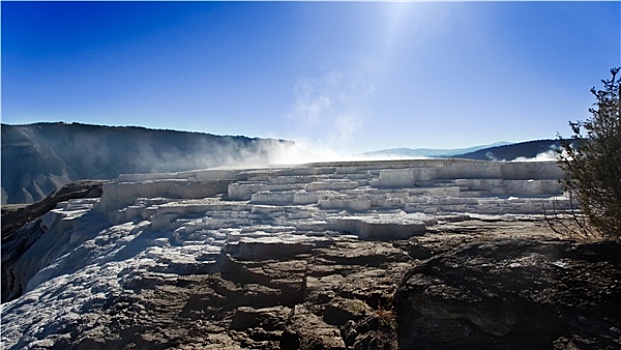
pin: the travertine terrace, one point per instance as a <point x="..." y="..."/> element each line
<point x="380" y="199"/>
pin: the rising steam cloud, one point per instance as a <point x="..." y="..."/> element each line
<point x="327" y="110"/>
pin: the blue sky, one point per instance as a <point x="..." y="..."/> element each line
<point x="351" y="77"/>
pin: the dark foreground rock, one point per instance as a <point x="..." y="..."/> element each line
<point x="466" y="285"/>
<point x="484" y="294"/>
<point x="514" y="294"/>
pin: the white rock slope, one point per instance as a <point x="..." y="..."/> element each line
<point x="154" y="226"/>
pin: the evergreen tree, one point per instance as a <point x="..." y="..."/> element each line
<point x="592" y="161"/>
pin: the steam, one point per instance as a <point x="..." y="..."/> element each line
<point x="550" y="155"/>
<point x="327" y="111"/>
<point x="546" y="156"/>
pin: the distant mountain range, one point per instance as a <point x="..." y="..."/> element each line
<point x="501" y="151"/>
<point x="38" y="159"/>
<point x="426" y="152"/>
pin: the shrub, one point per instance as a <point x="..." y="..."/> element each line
<point x="592" y="162"/>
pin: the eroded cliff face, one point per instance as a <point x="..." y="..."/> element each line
<point x="331" y="255"/>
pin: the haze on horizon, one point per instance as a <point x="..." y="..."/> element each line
<point x="348" y="77"/>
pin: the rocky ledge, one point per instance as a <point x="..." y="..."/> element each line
<point x="471" y="285"/>
<point x="513" y="294"/>
<point x="152" y="266"/>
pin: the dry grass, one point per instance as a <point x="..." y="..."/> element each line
<point x="387" y="319"/>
